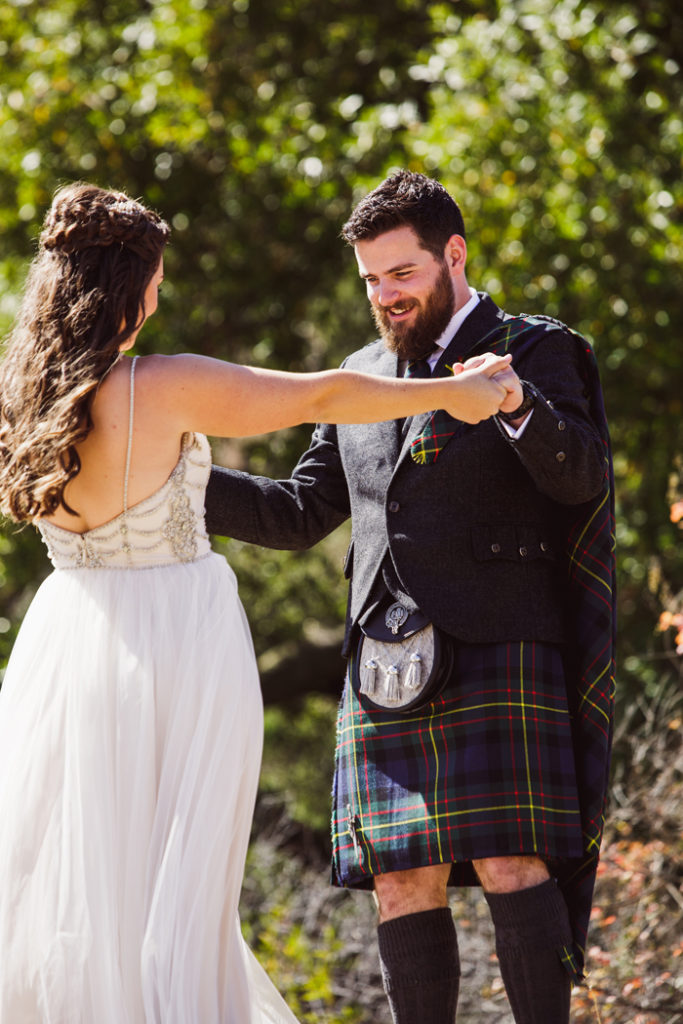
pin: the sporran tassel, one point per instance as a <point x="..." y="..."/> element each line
<point x="413" y="674"/>
<point x="392" y="685"/>
<point x="369" y="677"/>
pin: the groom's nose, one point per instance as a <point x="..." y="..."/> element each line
<point x="387" y="293"/>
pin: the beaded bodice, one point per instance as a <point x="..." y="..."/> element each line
<point x="165" y="528"/>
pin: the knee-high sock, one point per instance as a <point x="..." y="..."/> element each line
<point x="420" y="966"/>
<point x="532" y="930"/>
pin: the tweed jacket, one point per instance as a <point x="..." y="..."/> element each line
<point x="476" y="537"/>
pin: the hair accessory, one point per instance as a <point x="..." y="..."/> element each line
<point x="126" y="206"/>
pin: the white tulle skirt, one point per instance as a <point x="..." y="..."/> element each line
<point x="130" y="745"/>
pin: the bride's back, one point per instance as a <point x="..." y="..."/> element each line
<point x="96" y="493"/>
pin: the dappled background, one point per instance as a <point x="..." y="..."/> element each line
<point x="253" y="126"/>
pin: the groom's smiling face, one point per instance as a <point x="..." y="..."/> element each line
<point x="410" y="291"/>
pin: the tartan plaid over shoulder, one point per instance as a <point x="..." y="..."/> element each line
<point x="591" y="580"/>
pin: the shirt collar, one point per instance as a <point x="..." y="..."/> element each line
<point x="454" y="325"/>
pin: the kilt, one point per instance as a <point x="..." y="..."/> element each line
<point x="485" y="770"/>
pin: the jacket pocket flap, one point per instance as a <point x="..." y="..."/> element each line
<point x="523" y="542"/>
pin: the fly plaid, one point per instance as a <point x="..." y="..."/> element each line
<point x="589" y="555"/>
<point x="440" y="427"/>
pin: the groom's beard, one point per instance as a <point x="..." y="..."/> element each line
<point x="417" y="340"/>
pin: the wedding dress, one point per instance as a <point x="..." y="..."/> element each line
<point x="130" y="745"/>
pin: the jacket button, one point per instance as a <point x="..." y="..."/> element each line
<point x="495" y="548"/>
<point x="560" y="456"/>
<point x="561" y="425"/>
<point x="394" y="506"/>
<point x="523" y="552"/>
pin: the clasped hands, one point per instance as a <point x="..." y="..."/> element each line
<point x="512" y="395"/>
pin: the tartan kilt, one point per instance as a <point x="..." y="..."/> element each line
<point x="486" y="770"/>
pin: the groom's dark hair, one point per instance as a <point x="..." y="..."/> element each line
<point x="407" y="199"/>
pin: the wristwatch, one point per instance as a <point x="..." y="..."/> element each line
<point x="528" y="403"/>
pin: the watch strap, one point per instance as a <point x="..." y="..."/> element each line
<point x="527" y="405"/>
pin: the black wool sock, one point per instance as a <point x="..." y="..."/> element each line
<point x="420" y="966"/>
<point x="532" y="930"/>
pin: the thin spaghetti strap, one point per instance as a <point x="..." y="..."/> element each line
<point x="130" y="432"/>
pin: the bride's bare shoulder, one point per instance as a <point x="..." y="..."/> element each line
<point x="161" y="385"/>
<point x="168" y="370"/>
<point x="152" y="372"/>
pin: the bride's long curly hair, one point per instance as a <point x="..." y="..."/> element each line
<point x="84" y="296"/>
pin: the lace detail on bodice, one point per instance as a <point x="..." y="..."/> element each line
<point x="165" y="528"/>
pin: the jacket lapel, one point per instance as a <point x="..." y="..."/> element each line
<point x="417" y="425"/>
<point x="388" y="432"/>
<point x="379" y="442"/>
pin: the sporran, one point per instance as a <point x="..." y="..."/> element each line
<point x="402" y="661"/>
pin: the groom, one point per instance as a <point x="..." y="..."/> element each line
<point x="500" y="535"/>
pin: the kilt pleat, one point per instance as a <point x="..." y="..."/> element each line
<point x="486" y="770"/>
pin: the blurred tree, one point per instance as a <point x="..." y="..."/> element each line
<point x="235" y="120"/>
<point x="254" y="125"/>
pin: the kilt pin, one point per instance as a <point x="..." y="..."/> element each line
<point x="499" y="543"/>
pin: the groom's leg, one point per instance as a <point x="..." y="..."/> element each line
<point x="533" y="934"/>
<point x="417" y="945"/>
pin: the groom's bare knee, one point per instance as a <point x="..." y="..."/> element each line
<point x="510" y="874"/>
<point x="409" y="892"/>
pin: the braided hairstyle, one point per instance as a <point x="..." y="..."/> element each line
<point x="83" y="298"/>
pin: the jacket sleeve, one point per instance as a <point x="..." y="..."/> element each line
<point x="561" y="447"/>
<point x="289" y="514"/>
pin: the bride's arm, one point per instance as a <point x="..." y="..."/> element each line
<point x="229" y="400"/>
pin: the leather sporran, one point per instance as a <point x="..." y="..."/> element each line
<point x="402" y="661"/>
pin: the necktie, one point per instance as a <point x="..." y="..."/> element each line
<point x="418" y="368"/>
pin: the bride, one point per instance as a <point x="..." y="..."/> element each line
<point x="130" y="714"/>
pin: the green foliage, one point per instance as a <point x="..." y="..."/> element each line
<point x="238" y="125"/>
<point x="293" y="922"/>
<point x="299" y="759"/>
<point x="302" y="965"/>
<point x="231" y="118"/>
<point x="288" y="593"/>
<point x="23" y="565"/>
<point x="254" y="125"/>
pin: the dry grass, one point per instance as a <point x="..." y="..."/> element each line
<point x="319" y="946"/>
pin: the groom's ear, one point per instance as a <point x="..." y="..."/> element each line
<point x="455" y="254"/>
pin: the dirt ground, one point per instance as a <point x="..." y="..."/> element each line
<point x="319" y="943"/>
